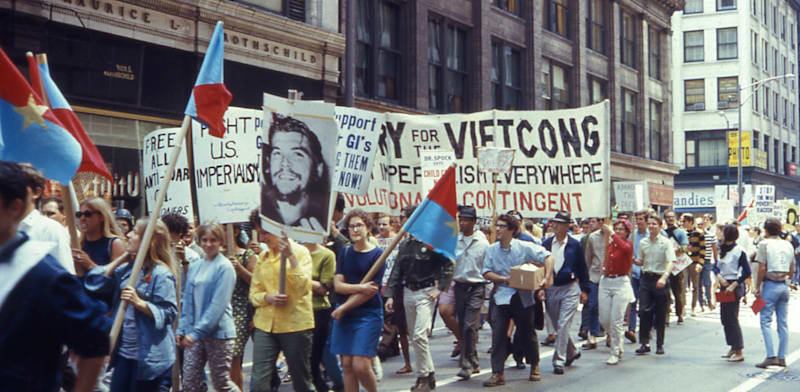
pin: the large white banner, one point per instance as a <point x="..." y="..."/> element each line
<point x="158" y="146"/>
<point x="298" y="161"/>
<point x="562" y="161"/>
<point x="227" y="170"/>
<point x="359" y="131"/>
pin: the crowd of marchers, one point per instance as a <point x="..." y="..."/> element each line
<point x="199" y="298"/>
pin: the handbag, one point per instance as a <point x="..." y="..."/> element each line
<point x="758" y="304"/>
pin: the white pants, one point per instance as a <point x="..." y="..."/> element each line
<point x="614" y="295"/>
<point x="419" y="308"/>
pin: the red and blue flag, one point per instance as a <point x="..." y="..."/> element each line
<point x="91" y="160"/>
<point x="30" y="131"/>
<point x="210" y="98"/>
<point x="434" y="221"/>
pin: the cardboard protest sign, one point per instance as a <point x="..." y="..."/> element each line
<point x="562" y="161"/>
<point x="631" y="195"/>
<point x="158" y="146"/>
<point x="495" y="160"/>
<point x="298" y="164"/>
<point x="226" y="171"/>
<point x="359" y="131"/>
<point x="763" y="206"/>
<point x="434" y="163"/>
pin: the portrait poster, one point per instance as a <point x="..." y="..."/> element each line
<point x="359" y="131"/>
<point x="226" y="170"/>
<point x="156" y="151"/>
<point x="562" y="161"/>
<point x="298" y="161"/>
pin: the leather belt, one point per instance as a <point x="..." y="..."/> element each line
<point x="414" y="286"/>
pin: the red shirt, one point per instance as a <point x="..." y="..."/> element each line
<point x="619" y="256"/>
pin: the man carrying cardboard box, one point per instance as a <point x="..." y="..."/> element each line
<point x="511" y="303"/>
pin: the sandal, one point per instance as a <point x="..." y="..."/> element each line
<point x="405" y="370"/>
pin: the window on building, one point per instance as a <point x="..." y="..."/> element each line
<point x="764" y="13"/>
<point x="596" y="26"/>
<point x="654" y="54"/>
<point x="598" y="90"/>
<point x="447" y="67"/>
<point x="776" y="155"/>
<point x="754" y="44"/>
<point x="378" y="50"/>
<point x="693" y="7"/>
<point x="775" y="61"/>
<point x="794" y="154"/>
<point x="691" y="153"/>
<point x="506" y="77"/>
<point x="657" y="139"/>
<point x="766" y="147"/>
<point x="785" y="112"/>
<point x="775" y="19"/>
<point x="755" y="101"/>
<point x="791" y="34"/>
<point x="766" y="56"/>
<point x="293" y="9"/>
<point x="726" y="92"/>
<point x="512" y="6"/>
<point x="727" y="47"/>
<point x="694" y="95"/>
<point x="785" y="155"/>
<point x="724" y="5"/>
<point x="556" y="81"/>
<point x="754" y="8"/>
<point x="756" y="139"/>
<point x="556" y="16"/>
<point x="628" y="40"/>
<point x="775" y="107"/>
<point x="783" y="27"/>
<point x="693" y="46"/>
<point x="712" y="152"/>
<point x="630" y="140"/>
<point x="766" y="103"/>
<point x="794" y="116"/>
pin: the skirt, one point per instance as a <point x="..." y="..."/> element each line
<point x="358" y="333"/>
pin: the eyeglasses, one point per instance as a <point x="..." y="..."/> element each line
<point x="356" y="226"/>
<point x="503" y="225"/>
<point x="87" y="214"/>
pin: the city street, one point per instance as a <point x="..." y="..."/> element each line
<point x="692" y="362"/>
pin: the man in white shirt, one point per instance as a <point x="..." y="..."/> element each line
<point x="41" y="228"/>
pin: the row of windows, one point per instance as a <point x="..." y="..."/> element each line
<point x="713" y="151"/>
<point x="782" y="108"/>
<point x="778" y="65"/>
<point x="696" y="6"/>
<point x="778" y="26"/>
<point x="694" y="45"/>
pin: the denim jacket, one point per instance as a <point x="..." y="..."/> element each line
<point x="207" y="310"/>
<point x="155" y="347"/>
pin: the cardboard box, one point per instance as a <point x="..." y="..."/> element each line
<point x="526" y="276"/>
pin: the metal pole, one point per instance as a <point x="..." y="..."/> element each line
<point x="739" y="169"/>
<point x="350" y="54"/>
<point x="728" y="161"/>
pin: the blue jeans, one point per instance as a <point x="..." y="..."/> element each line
<point x="124" y="378"/>
<point x="776" y="296"/>
<point x="594" y="313"/>
<point x="705" y="285"/>
<point x="632" y="316"/>
<point x="796" y="277"/>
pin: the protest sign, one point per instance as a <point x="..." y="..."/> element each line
<point x="562" y="162"/>
<point x="359" y="131"/>
<point x="764" y="204"/>
<point x="631" y="195"/>
<point x="158" y="146"/>
<point x="724" y="211"/>
<point x="298" y="165"/>
<point x="495" y="160"/>
<point x="434" y="163"/>
<point x="226" y="171"/>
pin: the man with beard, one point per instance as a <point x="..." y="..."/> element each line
<point x="295" y="182"/>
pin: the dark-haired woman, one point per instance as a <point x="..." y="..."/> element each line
<point x="615" y="290"/>
<point x="732" y="259"/>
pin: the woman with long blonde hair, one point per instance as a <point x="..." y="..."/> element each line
<point x="101" y="240"/>
<point x="145" y="351"/>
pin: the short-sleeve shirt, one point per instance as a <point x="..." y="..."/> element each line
<point x="655" y="254"/>
<point x="778" y="254"/>
<point x="353" y="265"/>
<point x="500" y="261"/>
<point x="323" y="265"/>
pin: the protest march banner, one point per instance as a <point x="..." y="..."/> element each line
<point x="298" y="165"/>
<point x="226" y="171"/>
<point x="359" y="131"/>
<point x="434" y="163"/>
<point x="763" y="206"/>
<point x="631" y="195"/>
<point x="562" y="161"/>
<point x="158" y="146"/>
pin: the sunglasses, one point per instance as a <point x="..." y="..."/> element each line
<point x="87" y="214"/>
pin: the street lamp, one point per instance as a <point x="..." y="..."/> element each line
<point x="728" y="163"/>
<point x="739" y="88"/>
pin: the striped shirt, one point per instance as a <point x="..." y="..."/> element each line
<point x="711" y="240"/>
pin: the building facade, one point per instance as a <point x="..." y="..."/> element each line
<point x="435" y="56"/>
<point x="720" y="46"/>
<point x="127" y="67"/>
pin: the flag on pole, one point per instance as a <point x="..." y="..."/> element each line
<point x="210" y="98"/>
<point x="91" y="160"/>
<point x="434" y="221"/>
<point x="30" y="131"/>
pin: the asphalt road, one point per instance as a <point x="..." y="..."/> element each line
<point x="692" y="362"/>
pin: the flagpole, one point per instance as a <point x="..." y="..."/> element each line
<point x="494" y="207"/>
<point x="151" y="224"/>
<point x="67" y="191"/>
